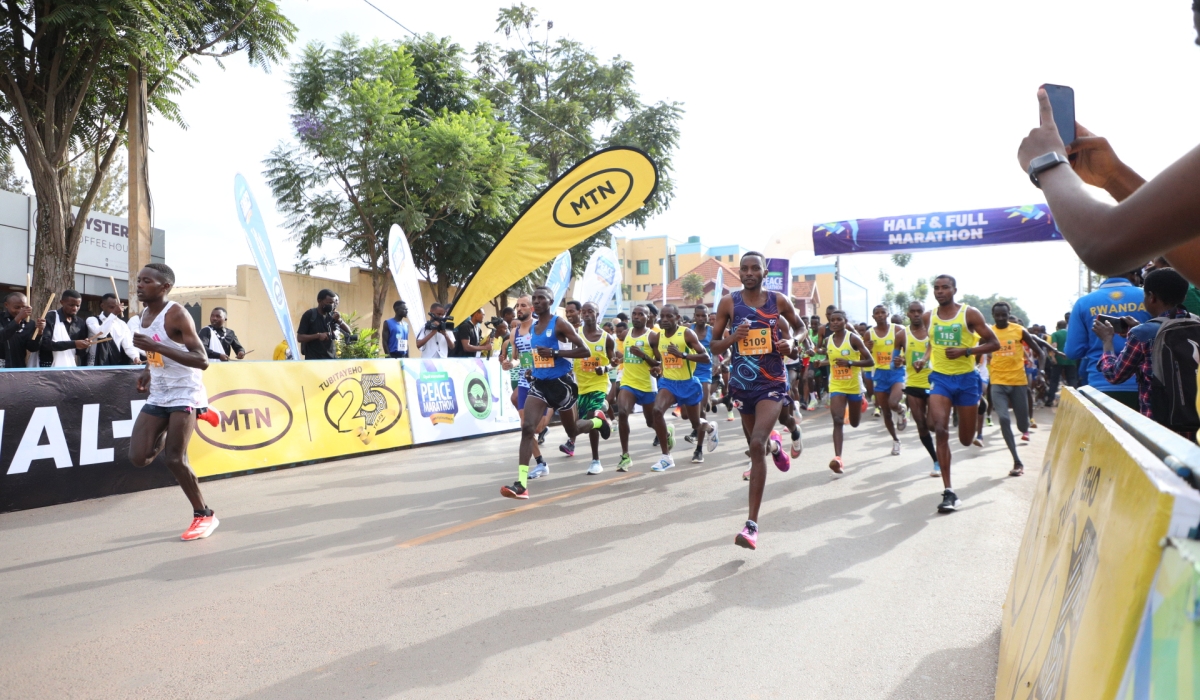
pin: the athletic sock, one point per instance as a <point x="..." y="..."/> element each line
<point x="540" y="461"/>
<point x="927" y="441"/>
<point x="773" y="446"/>
<point x="596" y="423"/>
<point x="203" y="513"/>
<point x="523" y="475"/>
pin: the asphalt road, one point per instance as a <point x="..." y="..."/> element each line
<point x="406" y="575"/>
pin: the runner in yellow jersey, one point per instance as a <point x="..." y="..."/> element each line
<point x="848" y="355"/>
<point x="954" y="330"/>
<point x="1010" y="383"/>
<point x="591" y="376"/>
<point x="886" y="344"/>
<point x="678" y="351"/>
<point x="621" y="329"/>
<point x="637" y="386"/>
<point x="917" y="380"/>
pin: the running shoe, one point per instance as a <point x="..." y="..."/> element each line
<point x="782" y="461"/>
<point x="1017" y="470"/>
<point x="937" y="470"/>
<point x="567" y="448"/>
<point x="978" y="441"/>
<point x="812" y="405"/>
<point x="895" y="448"/>
<point x="539" y="470"/>
<point x="876" y="413"/>
<point x="655" y="443"/>
<point x="691" y="437"/>
<point x="1025" y="437"/>
<point x="515" y="491"/>
<point x="542" y="435"/>
<point x="797" y="443"/>
<point x="202" y="526"/>
<point x="949" y="502"/>
<point x="901" y="420"/>
<point x="711" y="440"/>
<point x="670" y="437"/>
<point x="1032" y="423"/>
<point x="595" y="468"/>
<point x="729" y="416"/>
<point x="663" y="464"/>
<point x="625" y="463"/>
<point x="748" y="537"/>
<point x="989" y="421"/>
<point x="698" y="455"/>
<point x="746" y="475"/>
<point x="605" y="426"/>
<point x="836" y="466"/>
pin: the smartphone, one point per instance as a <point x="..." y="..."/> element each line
<point x="1062" y="99"/>
<point x="1117" y="322"/>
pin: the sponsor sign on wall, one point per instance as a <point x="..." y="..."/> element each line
<point x="277" y="413"/>
<point x="458" y="397"/>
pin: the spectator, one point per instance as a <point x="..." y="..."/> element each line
<point x="499" y="335"/>
<point x="220" y="340"/>
<point x="282" y="351"/>
<point x="319" y="328"/>
<point x="466" y="338"/>
<point x="1116" y="296"/>
<point x="436" y="340"/>
<point x="16" y="331"/>
<point x="508" y="315"/>
<point x="1061" y="368"/>
<point x="396" y="332"/>
<point x="65" y="341"/>
<point x="118" y="351"/>
<point x="1165" y="291"/>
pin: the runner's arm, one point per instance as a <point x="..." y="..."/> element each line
<point x="988" y="342"/>
<point x="1034" y="343"/>
<point x="567" y="332"/>
<point x="924" y="361"/>
<point x="901" y="345"/>
<point x="857" y="343"/>
<point x="700" y="356"/>
<point x="722" y="341"/>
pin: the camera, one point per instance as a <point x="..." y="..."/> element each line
<point x="439" y="323"/>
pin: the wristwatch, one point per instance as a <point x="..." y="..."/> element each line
<point x="1043" y="163"/>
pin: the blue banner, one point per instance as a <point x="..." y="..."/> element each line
<point x="559" y="278"/>
<point x="1031" y="223"/>
<point x="260" y="246"/>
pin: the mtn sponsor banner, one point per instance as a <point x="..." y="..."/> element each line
<point x="273" y="414"/>
<point x="601" y="276"/>
<point x="458" y="397"/>
<point x="1088" y="558"/>
<point x="260" y="247"/>
<point x="1031" y="223"/>
<point x="594" y="194"/>
<point x="64" y="436"/>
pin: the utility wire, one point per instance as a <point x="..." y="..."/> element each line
<point x="519" y="104"/>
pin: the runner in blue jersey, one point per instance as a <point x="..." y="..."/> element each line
<point x="520" y="360"/>
<point x="704" y="372"/>
<point x="552" y="386"/>
<point x="757" y="380"/>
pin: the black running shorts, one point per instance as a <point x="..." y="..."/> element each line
<point x="558" y="393"/>
<point x="917" y="392"/>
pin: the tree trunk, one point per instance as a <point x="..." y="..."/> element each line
<point x="54" y="252"/>
<point x="442" y="289"/>
<point x="379" y="290"/>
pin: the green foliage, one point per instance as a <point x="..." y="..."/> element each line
<point x="389" y="133"/>
<point x="693" y="287"/>
<point x="113" y="195"/>
<point x="897" y="300"/>
<point x="10" y="181"/>
<point x="901" y="259"/>
<point x="361" y="344"/>
<point x="984" y="304"/>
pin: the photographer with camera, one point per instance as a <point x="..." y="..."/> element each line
<point x="467" y="343"/>
<point x="435" y="339"/>
<point x="319" y="328"/>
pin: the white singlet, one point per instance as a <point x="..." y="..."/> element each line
<point x="171" y="384"/>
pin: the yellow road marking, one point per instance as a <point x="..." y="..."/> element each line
<point x="455" y="529"/>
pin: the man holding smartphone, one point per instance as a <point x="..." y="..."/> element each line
<point x="1116" y="296"/>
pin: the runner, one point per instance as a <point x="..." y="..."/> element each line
<point x="983" y="366"/>
<point x="175" y="357"/>
<point x="637" y="389"/>
<point x="954" y="330"/>
<point x="916" y="375"/>
<point x="1010" y="383"/>
<point x="679" y="385"/>
<point x="758" y="384"/>
<point x="848" y="356"/>
<point x="569" y="417"/>
<point x="614" y="376"/>
<point x="517" y="347"/>
<point x="703" y="370"/>
<point x="552" y="387"/>
<point x="591" y="377"/>
<point x="886" y="343"/>
<point x="818" y="364"/>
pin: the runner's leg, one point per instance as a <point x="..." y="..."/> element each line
<point x="625" y="405"/>
<point x="837" y="409"/>
<point x="762" y="422"/>
<point x="939" y="416"/>
<point x="1003" y="397"/>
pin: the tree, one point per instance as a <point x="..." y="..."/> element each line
<point x="566" y="103"/>
<point x="984" y="304"/>
<point x="10" y="181"/>
<point x="693" y="287"/>
<point x="383" y="139"/>
<point x="113" y="195"/>
<point x="64" y="76"/>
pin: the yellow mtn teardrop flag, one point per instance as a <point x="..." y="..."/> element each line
<point x="598" y="192"/>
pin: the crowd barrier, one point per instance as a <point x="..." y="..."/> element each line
<point x="1103" y="599"/>
<point x="64" y="433"/>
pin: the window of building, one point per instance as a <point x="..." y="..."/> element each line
<point x="730" y="258"/>
<point x="660" y="262"/>
<point x="643" y="267"/>
<point x="810" y="278"/>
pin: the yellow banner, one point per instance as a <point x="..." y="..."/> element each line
<point x="1086" y="563"/>
<point x="277" y="413"/>
<point x="601" y="190"/>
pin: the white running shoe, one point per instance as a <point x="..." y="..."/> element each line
<point x="895" y="448"/>
<point x="663" y="464"/>
<point x="901" y="420"/>
<point x="711" y="440"/>
<point x="937" y="470"/>
<point x="595" y="468"/>
<point x="539" y="471"/>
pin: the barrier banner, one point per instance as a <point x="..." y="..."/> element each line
<point x="278" y="413"/>
<point x="1087" y="559"/>
<point x="458" y="397"/>
<point x="1031" y="223"/>
<point x="64" y="436"/>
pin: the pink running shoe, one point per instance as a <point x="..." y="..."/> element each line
<point x="748" y="537"/>
<point x="782" y="461"/>
<point x="202" y="526"/>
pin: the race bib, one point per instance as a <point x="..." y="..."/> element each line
<point x="883" y="357"/>
<point x="840" y="372"/>
<point x="1007" y="349"/>
<point x="154" y="359"/>
<point x="672" y="362"/>
<point x="540" y="362"/>
<point x="631" y="358"/>
<point x="589" y="364"/>
<point x="758" y="342"/>
<point x="917" y="356"/>
<point x="402" y="345"/>
<point x="526" y="360"/>
<point x="948" y="335"/>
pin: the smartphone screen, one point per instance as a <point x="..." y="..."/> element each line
<point x="1062" y="99"/>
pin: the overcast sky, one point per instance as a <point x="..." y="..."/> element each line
<point x="795" y="113"/>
